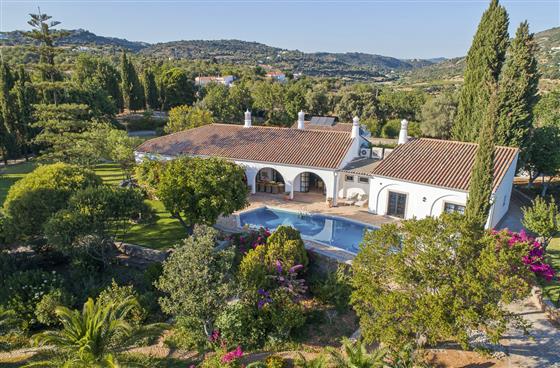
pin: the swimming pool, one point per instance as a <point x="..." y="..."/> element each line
<point x="333" y="231"/>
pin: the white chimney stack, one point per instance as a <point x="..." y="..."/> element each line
<point x="403" y="134"/>
<point x="247" y="119"/>
<point x="301" y="120"/>
<point x="355" y="128"/>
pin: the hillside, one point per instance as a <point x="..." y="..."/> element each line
<point x="76" y="37"/>
<point x="548" y="57"/>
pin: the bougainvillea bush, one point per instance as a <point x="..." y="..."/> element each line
<point x="534" y="259"/>
<point x="435" y="278"/>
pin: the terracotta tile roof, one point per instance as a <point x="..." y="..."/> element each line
<point x="338" y="127"/>
<point x="361" y="166"/>
<point x="310" y="148"/>
<point x="440" y="163"/>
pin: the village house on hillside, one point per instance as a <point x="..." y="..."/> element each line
<point x="419" y="178"/>
<point x="226" y="80"/>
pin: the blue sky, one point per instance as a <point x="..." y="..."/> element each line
<point x="399" y="28"/>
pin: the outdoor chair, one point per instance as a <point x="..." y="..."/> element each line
<point x="362" y="200"/>
<point x="348" y="201"/>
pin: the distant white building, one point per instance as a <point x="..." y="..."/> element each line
<point x="419" y="178"/>
<point x="226" y="80"/>
<point x="276" y="76"/>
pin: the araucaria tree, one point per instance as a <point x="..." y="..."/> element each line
<point x="518" y="88"/>
<point x="484" y="63"/>
<point x="482" y="173"/>
<point x="196" y="190"/>
<point x="133" y="92"/>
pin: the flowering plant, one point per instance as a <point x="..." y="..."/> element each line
<point x="232" y="356"/>
<point x="250" y="239"/>
<point x="534" y="259"/>
<point x="288" y="280"/>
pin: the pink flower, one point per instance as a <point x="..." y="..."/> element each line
<point x="232" y="355"/>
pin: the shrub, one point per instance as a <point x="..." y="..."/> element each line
<point x="334" y="289"/>
<point x="24" y="290"/>
<point x="275" y="361"/>
<point x="284" y="245"/>
<point x="391" y="129"/>
<point x="45" y="309"/>
<point x="241" y="323"/>
<point x="137" y="314"/>
<point x="34" y="199"/>
<point x="285" y="315"/>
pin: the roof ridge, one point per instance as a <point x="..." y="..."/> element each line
<point x="278" y="128"/>
<point x="458" y="142"/>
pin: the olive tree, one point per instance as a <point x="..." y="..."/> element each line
<point x="542" y="218"/>
<point x="197" y="190"/>
<point x="196" y="280"/>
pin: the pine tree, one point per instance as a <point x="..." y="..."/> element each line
<point x="518" y="90"/>
<point x="150" y="89"/>
<point x="482" y="173"/>
<point x="133" y="93"/>
<point x="483" y="65"/>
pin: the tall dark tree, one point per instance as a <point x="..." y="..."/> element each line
<point x="8" y="146"/>
<point x="133" y="93"/>
<point x="518" y="90"/>
<point x="43" y="33"/>
<point x="482" y="173"/>
<point x="150" y="89"/>
<point x="483" y="65"/>
<point x="22" y="98"/>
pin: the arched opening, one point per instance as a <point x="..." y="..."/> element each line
<point x="311" y="183"/>
<point x="269" y="180"/>
<point x="309" y="187"/>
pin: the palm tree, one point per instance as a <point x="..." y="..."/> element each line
<point x="356" y="356"/>
<point x="87" y="337"/>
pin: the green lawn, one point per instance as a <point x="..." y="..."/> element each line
<point x="10" y="174"/>
<point x="162" y="234"/>
<point x="552" y="288"/>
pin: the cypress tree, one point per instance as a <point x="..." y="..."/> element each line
<point x="482" y="172"/>
<point x="483" y="65"/>
<point x="8" y="145"/>
<point x="133" y="93"/>
<point x="150" y="89"/>
<point x="23" y="101"/>
<point x="518" y="90"/>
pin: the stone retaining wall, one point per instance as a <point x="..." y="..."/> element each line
<point x="551" y="311"/>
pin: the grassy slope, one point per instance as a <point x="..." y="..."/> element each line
<point x="552" y="288"/>
<point x="162" y="234"/>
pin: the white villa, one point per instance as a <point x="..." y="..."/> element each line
<point x="419" y="178"/>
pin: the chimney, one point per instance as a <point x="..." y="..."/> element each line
<point x="301" y="120"/>
<point x="247" y="119"/>
<point x="355" y="128"/>
<point x="403" y="134"/>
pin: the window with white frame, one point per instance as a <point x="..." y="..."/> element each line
<point x="349" y="178"/>
<point x="363" y="180"/>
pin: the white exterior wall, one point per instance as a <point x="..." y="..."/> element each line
<point x="349" y="188"/>
<point x="502" y="196"/>
<point x="421" y="201"/>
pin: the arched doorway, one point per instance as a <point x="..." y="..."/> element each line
<point x="311" y="183"/>
<point x="269" y="180"/>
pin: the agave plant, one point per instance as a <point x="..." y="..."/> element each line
<point x="87" y="336"/>
<point x="318" y="362"/>
<point x="354" y="354"/>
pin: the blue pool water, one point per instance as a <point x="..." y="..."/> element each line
<point x="333" y="231"/>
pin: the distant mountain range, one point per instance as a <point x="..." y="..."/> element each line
<point x="352" y="65"/>
<point x="548" y="57"/>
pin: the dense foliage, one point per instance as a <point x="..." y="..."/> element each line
<point x="431" y="279"/>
